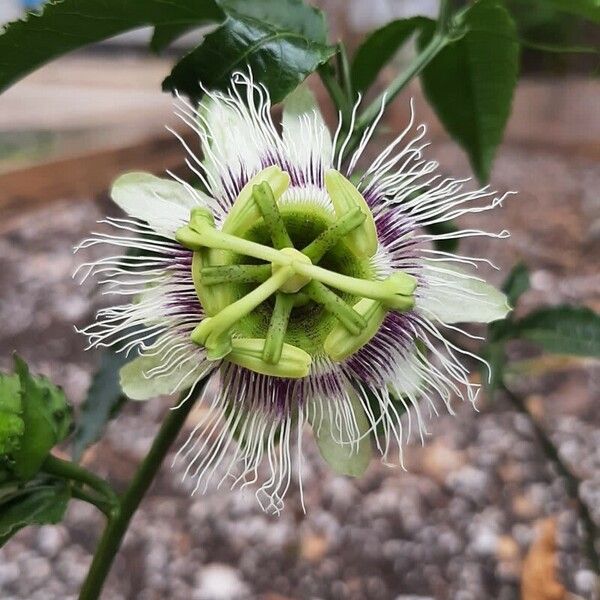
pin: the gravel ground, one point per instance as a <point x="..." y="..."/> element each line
<point x="458" y="524"/>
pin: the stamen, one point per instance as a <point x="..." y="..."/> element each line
<point x="344" y="197"/>
<point x="395" y="291"/>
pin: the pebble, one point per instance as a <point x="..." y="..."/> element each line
<point x="219" y="582"/>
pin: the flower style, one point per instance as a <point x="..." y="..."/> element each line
<point x="308" y="293"/>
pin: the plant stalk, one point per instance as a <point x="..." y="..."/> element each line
<point x="70" y="470"/>
<point x="120" y="518"/>
<point x="438" y="41"/>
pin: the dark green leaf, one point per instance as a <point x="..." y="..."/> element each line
<point x="470" y="83"/>
<point x="46" y="417"/>
<point x="288" y="15"/>
<point x="561" y="330"/>
<point x="70" y="24"/>
<point x="282" y="59"/>
<point x="379" y="48"/>
<point x="516" y="284"/>
<point x="38" y="505"/>
<point x="588" y="9"/>
<point x="103" y="401"/>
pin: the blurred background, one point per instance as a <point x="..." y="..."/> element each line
<point x="478" y="514"/>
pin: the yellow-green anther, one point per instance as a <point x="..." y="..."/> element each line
<point x="345" y="197"/>
<point x="298" y="280"/>
<point x="244" y="211"/>
<point x="395" y="291"/>
<point x="333" y="234"/>
<point x="235" y="274"/>
<point x="341" y="344"/>
<point x="345" y="314"/>
<point x="228" y="316"/>
<point x="265" y="200"/>
<point x="294" y="362"/>
<point x="277" y="327"/>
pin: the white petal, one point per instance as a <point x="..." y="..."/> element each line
<point x="138" y="383"/>
<point x="304" y="130"/>
<point x="234" y="140"/>
<point x="452" y="295"/>
<point x="164" y="204"/>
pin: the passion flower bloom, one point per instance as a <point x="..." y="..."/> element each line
<point x="309" y="293"/>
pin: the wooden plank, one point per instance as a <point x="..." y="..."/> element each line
<point x="86" y="175"/>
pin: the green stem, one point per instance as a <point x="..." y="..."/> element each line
<point x="70" y="470"/>
<point x="438" y="41"/>
<point x="119" y="521"/>
<point x="344" y="71"/>
<point x="336" y="93"/>
<point x="100" y="504"/>
<point x="592" y="532"/>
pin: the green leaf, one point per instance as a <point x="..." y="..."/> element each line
<point x="516" y="284"/>
<point x="37" y="505"/>
<point x="588" y="9"/>
<point x="470" y="83"/>
<point x="103" y="401"/>
<point x="290" y="15"/>
<point x="281" y="58"/>
<point x="495" y="356"/>
<point x="11" y="421"/>
<point x="379" y="47"/>
<point x="46" y="417"/>
<point x="344" y="458"/>
<point x="561" y="330"/>
<point x="70" y="24"/>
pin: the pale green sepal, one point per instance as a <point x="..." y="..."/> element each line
<point x="345" y="197"/>
<point x="341" y="344"/>
<point x="455" y="296"/>
<point x="11" y="418"/>
<point x="294" y="362"/>
<point x="244" y="212"/>
<point x="299" y="106"/>
<point x="136" y="385"/>
<point x="163" y="203"/>
<point x="344" y="458"/>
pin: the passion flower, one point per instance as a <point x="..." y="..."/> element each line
<point x="308" y="293"/>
